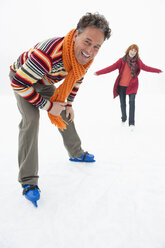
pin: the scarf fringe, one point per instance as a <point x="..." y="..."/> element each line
<point x="58" y="121"/>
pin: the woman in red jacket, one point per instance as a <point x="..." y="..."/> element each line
<point x="127" y="81"/>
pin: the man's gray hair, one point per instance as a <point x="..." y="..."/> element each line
<point x="94" y="20"/>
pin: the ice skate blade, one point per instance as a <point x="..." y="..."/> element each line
<point x="35" y="204"/>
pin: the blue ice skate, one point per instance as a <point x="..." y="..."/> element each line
<point x="85" y="157"/>
<point x="32" y="193"/>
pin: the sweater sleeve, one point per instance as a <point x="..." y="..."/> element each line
<point x="109" y="68"/>
<point x="73" y="93"/>
<point x="148" y="68"/>
<point x="35" y="67"/>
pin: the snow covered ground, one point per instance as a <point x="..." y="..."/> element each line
<point x="117" y="202"/>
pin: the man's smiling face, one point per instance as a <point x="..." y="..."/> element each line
<point x="87" y="44"/>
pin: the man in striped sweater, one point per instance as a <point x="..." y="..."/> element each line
<point x="33" y="76"/>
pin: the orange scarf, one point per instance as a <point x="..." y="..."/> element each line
<point x="75" y="72"/>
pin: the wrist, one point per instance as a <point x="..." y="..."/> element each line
<point x="69" y="105"/>
<point x="51" y="105"/>
<point x="48" y="106"/>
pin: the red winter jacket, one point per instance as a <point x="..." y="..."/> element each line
<point x="133" y="85"/>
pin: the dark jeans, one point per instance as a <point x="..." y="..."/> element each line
<point x="122" y="95"/>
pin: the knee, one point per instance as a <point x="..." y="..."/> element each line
<point x="63" y="115"/>
<point x="30" y="119"/>
<point x="132" y="99"/>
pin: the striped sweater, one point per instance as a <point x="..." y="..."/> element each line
<point x="42" y="64"/>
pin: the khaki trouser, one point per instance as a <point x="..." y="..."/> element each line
<point x="28" y="136"/>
